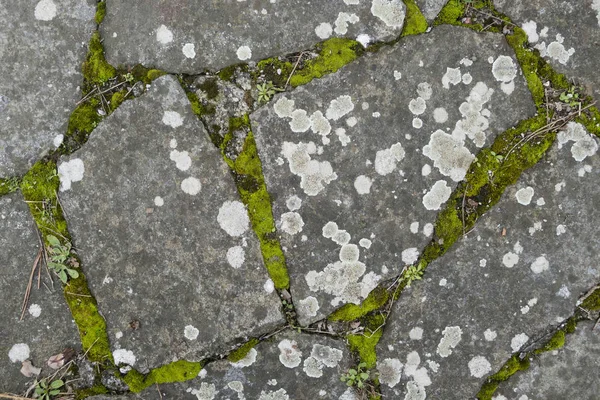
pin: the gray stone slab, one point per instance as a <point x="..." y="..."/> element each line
<point x="566" y="33"/>
<point x="47" y="327"/>
<point x="491" y="293"/>
<point x="42" y="46"/>
<point x="187" y="36"/>
<point x="568" y="373"/>
<point x="290" y="366"/>
<point x="163" y="237"/>
<point x="431" y="8"/>
<point x="359" y="162"/>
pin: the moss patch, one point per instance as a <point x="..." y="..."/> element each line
<point x="364" y="345"/>
<point x="414" y="22"/>
<point x="512" y="366"/>
<point x="592" y="302"/>
<point x="349" y="312"/>
<point x="178" y="371"/>
<point x="9" y="185"/>
<point x="100" y="12"/>
<point x="92" y="391"/>
<point x="242" y="351"/>
<point x="95" y="68"/>
<point x="451" y="13"/>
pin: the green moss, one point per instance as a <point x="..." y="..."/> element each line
<point x="414" y="22"/>
<point x="178" y="371"/>
<point x="450" y="13"/>
<point x="349" y="312"/>
<point x="83" y="119"/>
<point x="210" y="87"/>
<point x="9" y="185"/>
<point x="556" y="342"/>
<point x="228" y="73"/>
<point x="153" y="74"/>
<point x="592" y="302"/>
<point x="92" y="391"/>
<point x="512" y="366"/>
<point x="116" y="99"/>
<point x="269" y="68"/>
<point x="364" y="344"/>
<point x="590" y="119"/>
<point x="96" y="69"/>
<point x="334" y="53"/>
<point x="100" y="12"/>
<point x="242" y="351"/>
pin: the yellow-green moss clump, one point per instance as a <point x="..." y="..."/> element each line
<point x="100" y="12"/>
<point x="242" y="351"/>
<point x="592" y="302"/>
<point x="414" y="22"/>
<point x="9" y="185"/>
<point x="450" y="13"/>
<point x="92" y="391"/>
<point x="364" y="344"/>
<point x="178" y="371"/>
<point x="349" y="312"/>
<point x="512" y="366"/>
<point x="96" y="70"/>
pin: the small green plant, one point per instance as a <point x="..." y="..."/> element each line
<point x="287" y="305"/>
<point x="356" y="377"/>
<point x="266" y="90"/>
<point x="10" y="185"/>
<point x="571" y="97"/>
<point x="414" y="273"/>
<point x="498" y="157"/>
<point x="59" y="259"/>
<point x="46" y="391"/>
<point x="129" y="77"/>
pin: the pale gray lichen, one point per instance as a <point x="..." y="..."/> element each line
<point x="206" y="392"/>
<point x="308" y="306"/>
<point x="386" y="160"/>
<point x="452" y="76"/>
<point x="314" y="174"/>
<point x="479" y="366"/>
<point x="452" y="335"/>
<point x="281" y="394"/>
<point x="449" y="155"/>
<point x="391" y="12"/>
<point x="585" y="144"/>
<point x="390" y="371"/>
<point x="291" y="223"/>
<point x="290" y="355"/>
<point x="339" y="107"/>
<point x="439" y="193"/>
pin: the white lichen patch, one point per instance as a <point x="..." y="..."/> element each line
<point x="164" y="35"/>
<point x="417" y="123"/>
<point x="248" y="360"/>
<point x="182" y="159"/>
<point x="324" y="30"/>
<point x="190" y="332"/>
<point x="236" y="386"/>
<point x="280" y="394"/>
<point x="560" y="229"/>
<point x="390" y="371"/>
<point x="417" y="106"/>
<point x="540" y="265"/>
<point x="293" y="203"/>
<point x="244" y="53"/>
<point x="410" y="255"/>
<point x="343" y="138"/>
<point x="386" y="160"/>
<point x="236" y="256"/>
<point x="397" y="75"/>
<point x="269" y="286"/>
<point x="362" y="184"/>
<point x="290" y="355"/>
<point x="349" y="253"/>
<point x="284" y="107"/>
<point x="159" y="201"/>
<point x="585" y="145"/>
<point x="342" y="21"/>
<point x="424" y="90"/>
<point x="391" y="12"/>
<point x="189" y="50"/>
<point x="172" y="119"/>
<point x="452" y="335"/>
<point x="58" y="139"/>
<point x="320" y="125"/>
<point x="510" y="259"/>
<point x="330" y="229"/>
<point x="339" y="107"/>
<point x="474" y="120"/>
<point x="314" y="175"/>
<point x="479" y="366"/>
<point x="291" y="223"/>
<point x="35" y="310"/>
<point x="45" y="10"/>
<point x="440" y="192"/>
<point x="191" y="185"/>
<point x="122" y="356"/>
<point x="556" y="50"/>
<point x="206" y="392"/>
<point x="308" y="306"/>
<point x="452" y="76"/>
<point x="313" y="368"/>
<point x="70" y="171"/>
<point x="504" y="69"/>
<point x="440" y="115"/>
<point x="524" y="195"/>
<point x="300" y="121"/>
<point x="596" y="8"/>
<point x="414" y="227"/>
<point x="416" y="333"/>
<point x="518" y="341"/>
<point x="530" y="28"/>
<point x="364" y="39"/>
<point x="18" y="352"/>
<point x="327" y="356"/>
<point x="449" y="155"/>
<point x="490" y="335"/>
<point x="233" y="218"/>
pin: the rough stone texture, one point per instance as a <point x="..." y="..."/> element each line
<point x="431" y="8"/>
<point x="568" y="373"/>
<point x="353" y="172"/>
<point x="277" y="367"/>
<point x="40" y="62"/>
<point x="228" y="32"/>
<point x="556" y="28"/>
<point x="501" y="291"/>
<point x="47" y="327"/>
<point x="183" y="263"/>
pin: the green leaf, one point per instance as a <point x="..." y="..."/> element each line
<point x="56" y="384"/>
<point x="53" y="240"/>
<point x="352" y="371"/>
<point x="364" y="376"/>
<point x="343" y="378"/>
<point x="63" y="276"/>
<point x="72" y="273"/>
<point x="54" y="392"/>
<point x="362" y="365"/>
<point x="360" y="384"/>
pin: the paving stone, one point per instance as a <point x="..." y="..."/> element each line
<point x="568" y="373"/>
<point x="493" y="294"/>
<point x="47" y="327"/>
<point x="42" y="46"/>
<point x="431" y="8"/>
<point x="189" y="37"/>
<point x="566" y="33"/>
<point x="359" y="162"/>
<point x="288" y="366"/>
<point x="165" y="242"/>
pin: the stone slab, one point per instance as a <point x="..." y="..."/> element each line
<point x="568" y="373"/>
<point x="492" y="294"/>
<point x="431" y="8"/>
<point x="354" y="194"/>
<point x="42" y="46"/>
<point x="165" y="242"/>
<point x="47" y="327"/>
<point x="566" y="33"/>
<point x="190" y="37"/>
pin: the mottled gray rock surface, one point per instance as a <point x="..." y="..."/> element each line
<point x="567" y="33"/>
<point x="187" y="36"/>
<point x="431" y="8"/>
<point x="359" y="162"/>
<point x="568" y="373"/>
<point x="162" y="234"/>
<point x="492" y="294"/>
<point x="47" y="327"/>
<point x="42" y="46"/>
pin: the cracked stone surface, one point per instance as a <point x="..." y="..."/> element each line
<point x="41" y="51"/>
<point x="157" y="220"/>
<point x="492" y="295"/>
<point x="47" y="327"/>
<point x="567" y="34"/>
<point x="571" y="372"/>
<point x="431" y="8"/>
<point x="359" y="162"/>
<point x="167" y="35"/>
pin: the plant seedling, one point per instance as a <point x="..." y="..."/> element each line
<point x="356" y="377"/>
<point x="266" y="90"/>
<point x="413" y="273"/>
<point x="45" y="391"/>
<point x="59" y="256"/>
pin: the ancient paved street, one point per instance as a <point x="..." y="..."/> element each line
<point x="289" y="200"/>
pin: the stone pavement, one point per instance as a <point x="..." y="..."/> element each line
<point x="279" y="200"/>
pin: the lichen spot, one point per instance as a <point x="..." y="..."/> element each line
<point x="248" y="360"/>
<point x="479" y="366"/>
<point x="452" y="335"/>
<point x="417" y="106"/>
<point x="290" y="355"/>
<point x="328" y="356"/>
<point x="324" y="30"/>
<point x="390" y="370"/>
<point x="182" y="159"/>
<point x="233" y="218"/>
<point x="284" y="107"/>
<point x="416" y="333"/>
<point x="452" y="76"/>
<point x="308" y="306"/>
<point x="70" y="171"/>
<point x="417" y="123"/>
<point x="330" y="229"/>
<point x="365" y="243"/>
<point x="339" y="107"/>
<point x="518" y="341"/>
<point x="391" y="12"/>
<point x="35" y="310"/>
<point x="438" y="195"/>
<point x="410" y="255"/>
<point x="362" y="184"/>
<point x="172" y="119"/>
<point x="524" y="195"/>
<point x="585" y="145"/>
<point x="45" y="10"/>
<point x="18" y="352"/>
<point x="159" y="201"/>
<point x="540" y="265"/>
<point x="280" y="394"/>
<point x="190" y="332"/>
<point x="191" y="186"/>
<point x="164" y="35"/>
<point x="206" y="391"/>
<point x="236" y="256"/>
<point x="440" y="115"/>
<point x="244" y="53"/>
<point x="291" y="223"/>
<point x="293" y="203"/>
<point x="349" y="253"/>
<point x="58" y="139"/>
<point x="504" y="69"/>
<point x="123" y="356"/>
<point x="385" y="160"/>
<point x="300" y="121"/>
<point x="510" y="259"/>
<point x="490" y="335"/>
<point x="189" y="50"/>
